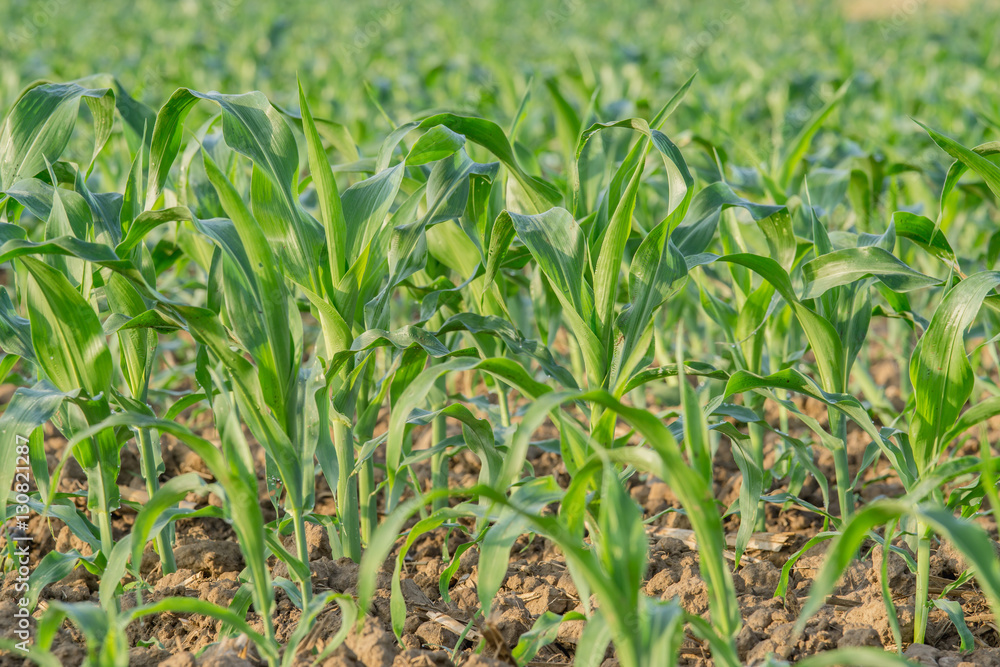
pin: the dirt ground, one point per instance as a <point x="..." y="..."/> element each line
<point x="896" y="10"/>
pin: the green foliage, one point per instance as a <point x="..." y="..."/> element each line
<point x="329" y="291"/>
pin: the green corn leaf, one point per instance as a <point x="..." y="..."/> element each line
<point x="234" y="475"/>
<point x="973" y="543"/>
<point x="58" y="225"/>
<point x="799" y="146"/>
<point x="146" y="222"/>
<point x="957" y="617"/>
<point x="14" y="245"/>
<point x="823" y="338"/>
<point x="437" y="143"/>
<point x="976" y="414"/>
<point x="542" y="633"/>
<point x="638" y="124"/>
<point x="165" y="141"/>
<point x="750" y="493"/>
<point x="7" y="363"/>
<point x="657" y="268"/>
<point x="527" y="500"/>
<point x="758" y="306"/>
<point x="54" y="566"/>
<point x="781" y="241"/>
<point x="270" y="338"/>
<point x="939" y="368"/>
<point x="622" y="544"/>
<point x="65" y="333"/>
<point x="662" y="627"/>
<point x="478" y="435"/>
<point x="958" y="168"/>
<point x="172" y="492"/>
<point x="382" y="543"/>
<point x="669" y="464"/>
<point x="417" y="390"/>
<point x="793" y="380"/>
<point x="501" y="234"/>
<point x="39" y="126"/>
<point x="87" y="616"/>
<point x="414" y="394"/>
<point x="490" y="136"/>
<point x="843" y="549"/>
<point x="612" y="245"/>
<point x="15" y="331"/>
<point x="702" y="218"/>
<point x="593" y="642"/>
<point x="559" y="246"/>
<point x="348" y="614"/>
<point x="973" y="160"/>
<point x="921" y="230"/>
<point x="612" y="239"/>
<point x="452" y="247"/>
<point x="534" y="416"/>
<point x="255" y="129"/>
<point x="843" y="267"/>
<point x="334" y="222"/>
<point x="132" y="201"/>
<point x="114" y="573"/>
<point x="515" y="342"/>
<point x="855" y="656"/>
<point x="698" y="447"/>
<point x="397" y="602"/>
<point x="138" y="345"/>
<point x="696" y="368"/>
<point x="39" y="198"/>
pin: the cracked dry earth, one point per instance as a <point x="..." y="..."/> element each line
<point x="537" y="581"/>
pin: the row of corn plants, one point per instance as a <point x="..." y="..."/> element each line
<point x="308" y="288"/>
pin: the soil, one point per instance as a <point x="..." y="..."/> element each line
<point x="209" y="562"/>
<point x="894" y="12"/>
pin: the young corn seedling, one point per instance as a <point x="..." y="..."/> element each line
<point x="263" y="250"/>
<point x="612" y="349"/>
<point x="611" y="567"/>
<point x="371" y="252"/>
<point x="836" y="338"/>
<point x="82" y="235"/>
<point x="137" y="345"/>
<point x="62" y="335"/>
<point x="609" y="346"/>
<point x="454" y="187"/>
<point x="74" y="365"/>
<point x="943" y="382"/>
<point x="744" y="322"/>
<point x="105" y="628"/>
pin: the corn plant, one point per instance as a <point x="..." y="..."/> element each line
<point x="943" y="382"/>
<point x="62" y="336"/>
<point x="258" y="266"/>
<point x="613" y="566"/>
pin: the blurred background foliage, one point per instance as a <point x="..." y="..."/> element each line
<point x="764" y="67"/>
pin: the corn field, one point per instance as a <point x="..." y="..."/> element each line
<point x="649" y="350"/>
